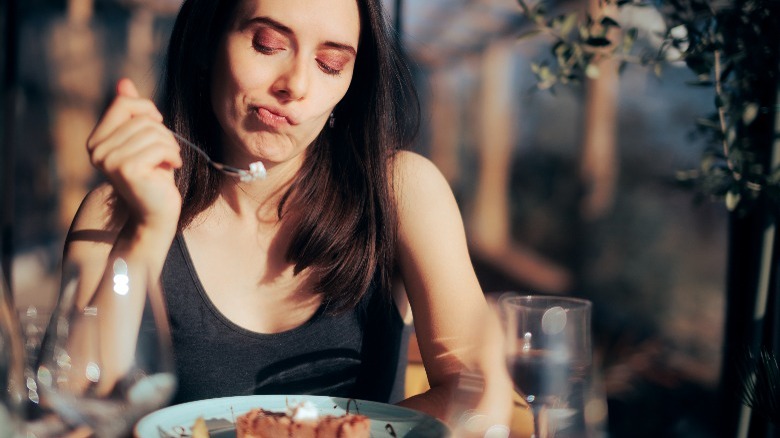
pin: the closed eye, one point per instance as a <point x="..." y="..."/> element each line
<point x="333" y="61"/>
<point x="268" y="41"/>
<point x="328" y="69"/>
<point x="265" y="49"/>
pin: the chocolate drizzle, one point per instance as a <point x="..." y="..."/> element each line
<point x="352" y="400"/>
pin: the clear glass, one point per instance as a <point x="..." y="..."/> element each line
<point x="33" y="321"/>
<point x="550" y="358"/>
<point x="11" y="366"/>
<point x="103" y="373"/>
<point x="482" y="402"/>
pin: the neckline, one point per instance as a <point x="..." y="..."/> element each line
<point x="222" y="318"/>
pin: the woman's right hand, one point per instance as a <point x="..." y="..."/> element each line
<point x="137" y="154"/>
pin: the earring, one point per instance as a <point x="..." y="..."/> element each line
<point x="331" y="120"/>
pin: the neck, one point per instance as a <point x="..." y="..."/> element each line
<point x="260" y="198"/>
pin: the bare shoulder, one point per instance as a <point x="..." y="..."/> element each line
<point x="96" y="221"/>
<point x="408" y="164"/>
<point x="417" y="180"/>
<point x="427" y="210"/>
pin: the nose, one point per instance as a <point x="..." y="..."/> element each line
<point x="292" y="82"/>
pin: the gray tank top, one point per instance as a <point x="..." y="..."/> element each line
<point x="358" y="354"/>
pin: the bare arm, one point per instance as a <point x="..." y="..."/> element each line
<point x="449" y="308"/>
<point x="132" y="148"/>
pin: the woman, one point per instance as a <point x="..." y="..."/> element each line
<point x="296" y="283"/>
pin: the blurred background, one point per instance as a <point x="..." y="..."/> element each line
<point x="570" y="191"/>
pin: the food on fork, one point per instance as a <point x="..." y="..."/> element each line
<point x="303" y="421"/>
<point x="256" y="171"/>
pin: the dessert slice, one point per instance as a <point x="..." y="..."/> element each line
<point x="301" y="421"/>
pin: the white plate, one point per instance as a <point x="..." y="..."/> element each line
<point x="219" y="413"/>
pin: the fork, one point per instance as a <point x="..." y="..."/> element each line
<point x="256" y="170"/>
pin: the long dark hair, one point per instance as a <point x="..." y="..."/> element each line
<point x="347" y="232"/>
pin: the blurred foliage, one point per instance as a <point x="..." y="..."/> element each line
<point x="731" y="46"/>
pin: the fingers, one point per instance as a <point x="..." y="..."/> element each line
<point x="141" y="171"/>
<point x="137" y="153"/>
<point x="131" y="135"/>
<point x="141" y="161"/>
<point x="139" y="157"/>
<point x="125" y="106"/>
<point x="130" y="125"/>
<point x="129" y="148"/>
<point x="126" y="87"/>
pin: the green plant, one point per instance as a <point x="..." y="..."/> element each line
<point x="731" y="47"/>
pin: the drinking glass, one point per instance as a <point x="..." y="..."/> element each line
<point x="11" y="366"/>
<point x="33" y="321"/>
<point x="99" y="367"/>
<point x="549" y="355"/>
<point x="482" y="404"/>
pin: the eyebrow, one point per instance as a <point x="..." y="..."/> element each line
<point x="270" y="22"/>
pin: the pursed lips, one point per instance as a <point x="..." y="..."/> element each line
<point x="274" y="116"/>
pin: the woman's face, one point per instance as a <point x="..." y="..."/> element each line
<point x="280" y="69"/>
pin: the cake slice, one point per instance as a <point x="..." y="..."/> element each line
<point x="302" y="421"/>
